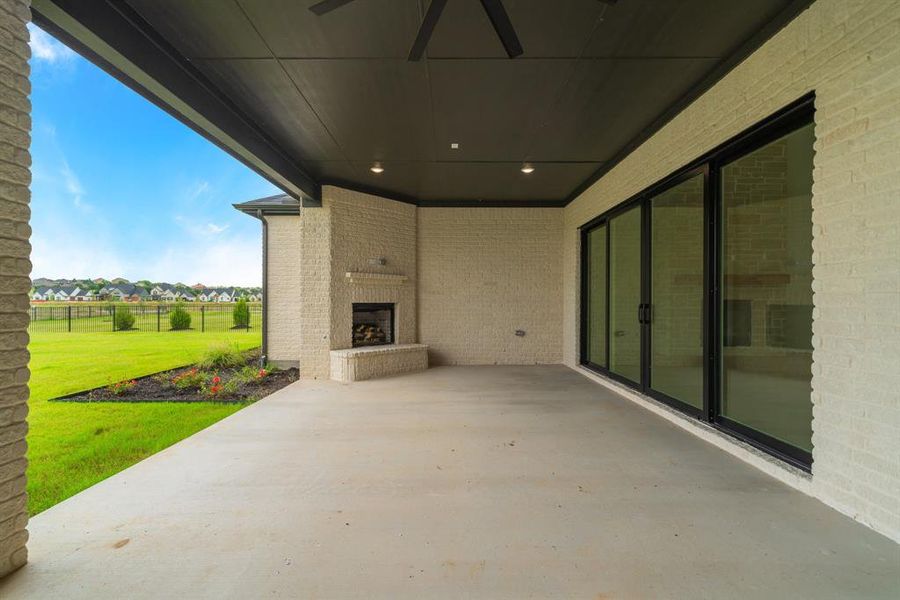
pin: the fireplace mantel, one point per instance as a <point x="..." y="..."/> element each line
<point x="359" y="278"/>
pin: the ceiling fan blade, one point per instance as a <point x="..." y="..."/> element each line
<point x="426" y="29"/>
<point x="503" y="26"/>
<point x="326" y="6"/>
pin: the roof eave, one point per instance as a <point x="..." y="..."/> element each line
<point x="268" y="209"/>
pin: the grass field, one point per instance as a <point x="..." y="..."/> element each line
<point x="73" y="446"/>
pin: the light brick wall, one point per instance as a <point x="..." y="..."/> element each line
<point x="365" y="228"/>
<point x="849" y="53"/>
<point x="284" y="310"/>
<point x="314" y="292"/>
<point x="483" y="274"/>
<point x="15" y="268"/>
<point x="355" y="365"/>
<point x="344" y="235"/>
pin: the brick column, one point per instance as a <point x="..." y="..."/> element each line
<point x="15" y="269"/>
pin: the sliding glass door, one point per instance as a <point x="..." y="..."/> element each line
<point x="767" y="291"/>
<point x="676" y="291"/>
<point x="594" y="265"/>
<point x="625" y="294"/>
<point x="698" y="291"/>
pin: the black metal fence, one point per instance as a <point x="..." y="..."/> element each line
<point x="93" y="318"/>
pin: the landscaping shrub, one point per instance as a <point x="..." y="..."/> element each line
<point x="222" y="357"/>
<point x="240" y="314"/>
<point x="124" y="318"/>
<point x="251" y="374"/>
<point x="179" y="318"/>
<point x="121" y="387"/>
<point x="190" y="379"/>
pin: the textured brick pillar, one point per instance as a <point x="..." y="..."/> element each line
<point x="15" y="269"/>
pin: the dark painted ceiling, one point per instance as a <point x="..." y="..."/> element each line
<point x="335" y="93"/>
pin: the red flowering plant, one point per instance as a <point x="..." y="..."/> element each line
<point x="261" y="374"/>
<point x="190" y="379"/>
<point x="217" y="388"/>
<point x="121" y="387"/>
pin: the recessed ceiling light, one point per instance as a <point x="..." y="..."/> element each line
<point x="454" y="146"/>
<point x="377" y="168"/>
<point x="527" y="168"/>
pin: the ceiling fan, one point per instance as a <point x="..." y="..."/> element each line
<point x="494" y="9"/>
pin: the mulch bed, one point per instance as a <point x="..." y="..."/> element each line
<point x="155" y="388"/>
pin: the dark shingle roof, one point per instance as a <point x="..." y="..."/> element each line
<point x="280" y="204"/>
<point x="128" y="289"/>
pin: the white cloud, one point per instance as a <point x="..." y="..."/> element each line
<point x="200" y="188"/>
<point x="66" y="253"/>
<point x="235" y="261"/>
<point x="194" y="227"/>
<point x="74" y="187"/>
<point x="45" y="48"/>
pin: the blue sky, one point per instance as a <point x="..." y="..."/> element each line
<point x="122" y="189"/>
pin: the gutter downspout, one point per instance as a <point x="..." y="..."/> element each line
<point x="265" y="288"/>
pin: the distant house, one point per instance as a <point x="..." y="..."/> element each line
<point x="165" y="292"/>
<point x="42" y="293"/>
<point x="81" y="295"/>
<point x="125" y="292"/>
<point x="212" y="296"/>
<point x="226" y="295"/>
<point x="66" y="293"/>
<point x="185" y="296"/>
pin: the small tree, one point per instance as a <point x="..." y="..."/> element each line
<point x="179" y="318"/>
<point x="241" y="314"/>
<point x="124" y="318"/>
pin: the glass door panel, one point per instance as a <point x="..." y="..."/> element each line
<point x="767" y="289"/>
<point x="676" y="288"/>
<point x="595" y="296"/>
<point x="625" y="294"/>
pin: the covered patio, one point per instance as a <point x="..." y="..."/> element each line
<point x="482" y="482"/>
<point x="548" y="217"/>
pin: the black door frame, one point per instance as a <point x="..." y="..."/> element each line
<point x="790" y="118"/>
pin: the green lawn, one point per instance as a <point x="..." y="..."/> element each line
<point x="73" y="446"/>
<point x="89" y="318"/>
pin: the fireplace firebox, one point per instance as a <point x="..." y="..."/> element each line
<point x="373" y="324"/>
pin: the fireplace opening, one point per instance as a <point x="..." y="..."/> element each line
<point x="373" y="324"/>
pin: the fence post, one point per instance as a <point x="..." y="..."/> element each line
<point x="202" y="319"/>
<point x="69" y="317"/>
<point x="158" y="309"/>
<point x="114" y="317"/>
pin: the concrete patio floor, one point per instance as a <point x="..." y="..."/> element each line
<point x="476" y="482"/>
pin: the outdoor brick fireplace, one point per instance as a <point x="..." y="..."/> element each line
<point x="373" y="324"/>
<point x="376" y="338"/>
